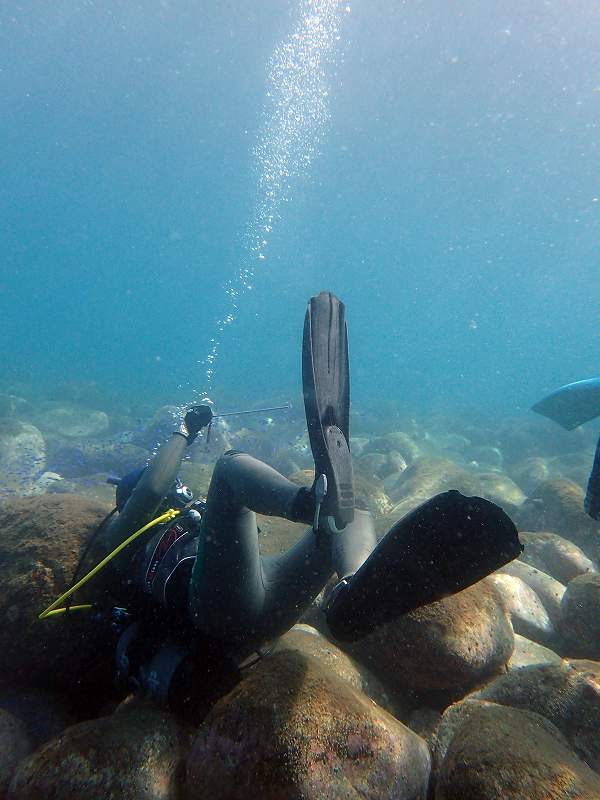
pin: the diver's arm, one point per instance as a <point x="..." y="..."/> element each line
<point x="157" y="479"/>
<point x="592" y="497"/>
<point x="150" y="491"/>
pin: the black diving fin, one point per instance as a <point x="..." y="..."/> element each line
<point x="443" y="546"/>
<point x="326" y="386"/>
<point x="573" y="404"/>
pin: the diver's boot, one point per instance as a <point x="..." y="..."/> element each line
<point x="326" y="385"/>
<point x="440" y="548"/>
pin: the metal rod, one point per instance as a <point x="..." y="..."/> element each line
<point x="286" y="407"/>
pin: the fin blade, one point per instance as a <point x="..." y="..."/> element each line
<point x="572" y="405"/>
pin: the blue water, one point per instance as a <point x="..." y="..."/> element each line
<point x="454" y="206"/>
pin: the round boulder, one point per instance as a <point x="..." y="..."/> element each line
<point x="567" y="697"/>
<point x="73" y="421"/>
<point x="501" y="753"/>
<point x="549" y="590"/>
<point x="527" y="613"/>
<point x="135" y="753"/>
<point x="555" y="555"/>
<point x="447" y="647"/>
<point x="22" y="457"/>
<point x="41" y="540"/>
<point x="308" y="641"/>
<point x="528" y="654"/>
<point x="557" y="506"/>
<point x="292" y="728"/>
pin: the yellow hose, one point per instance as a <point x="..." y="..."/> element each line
<point x="52" y="609"/>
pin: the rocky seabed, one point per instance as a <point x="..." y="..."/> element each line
<point x="491" y="693"/>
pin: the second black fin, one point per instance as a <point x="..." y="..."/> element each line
<point x="442" y="547"/>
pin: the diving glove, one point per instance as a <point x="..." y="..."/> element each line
<point x="196" y="418"/>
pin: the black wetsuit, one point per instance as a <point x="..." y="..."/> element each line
<point x="215" y="576"/>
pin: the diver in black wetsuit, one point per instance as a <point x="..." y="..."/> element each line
<point x="202" y="572"/>
<point x="570" y="406"/>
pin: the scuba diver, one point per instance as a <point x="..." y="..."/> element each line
<point x="199" y="597"/>
<point x="570" y="406"/>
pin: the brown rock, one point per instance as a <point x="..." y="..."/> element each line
<point x="500" y="753"/>
<point x="557" y="506"/>
<point x="135" y="754"/>
<point x="567" y="697"/>
<point x="555" y="555"/>
<point x="581" y="617"/>
<point x="527" y="613"/>
<point x="39" y="548"/>
<point x="549" y="590"/>
<point x="528" y="654"/>
<point x="448" y="647"/>
<point x="308" y="641"/>
<point x="294" y="730"/>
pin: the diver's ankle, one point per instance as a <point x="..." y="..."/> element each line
<point x="302" y="508"/>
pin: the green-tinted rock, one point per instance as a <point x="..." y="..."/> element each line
<point x="136" y="754"/>
<point x="293" y="729"/>
<point x="501" y="753"/>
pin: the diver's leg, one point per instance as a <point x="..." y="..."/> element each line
<point x="443" y="546"/>
<point x="226" y="587"/>
<point x="293" y="579"/>
<point x="592" y="495"/>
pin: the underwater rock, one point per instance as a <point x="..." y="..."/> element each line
<point x="22" y="457"/>
<point x="549" y="590"/>
<point x="14" y="747"/>
<point x="369" y="493"/>
<point x="161" y="425"/>
<point x="135" y="754"/>
<point x="14" y="407"/>
<point x="568" y="698"/>
<point x="485" y="456"/>
<point x="530" y="472"/>
<point x="501" y="490"/>
<point x="292" y="728"/>
<point x="581" y="617"/>
<point x="302" y="477"/>
<point x="447" y="647"/>
<point x="72" y="422"/>
<point x="94" y="487"/>
<point x="79" y="459"/>
<point x="357" y="445"/>
<point x="557" y="506"/>
<point x="369" y="464"/>
<point x="529" y="654"/>
<point x="521" y="438"/>
<point x="426" y="478"/>
<point x="308" y="641"/>
<point x="398" y="442"/>
<point x="555" y="555"/>
<point x="395" y="463"/>
<point x="501" y="753"/>
<point x="453" y="443"/>
<point x="39" y="548"/>
<point x="44" y="714"/>
<point x="527" y="613"/>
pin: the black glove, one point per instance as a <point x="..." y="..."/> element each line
<point x="197" y="417"/>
